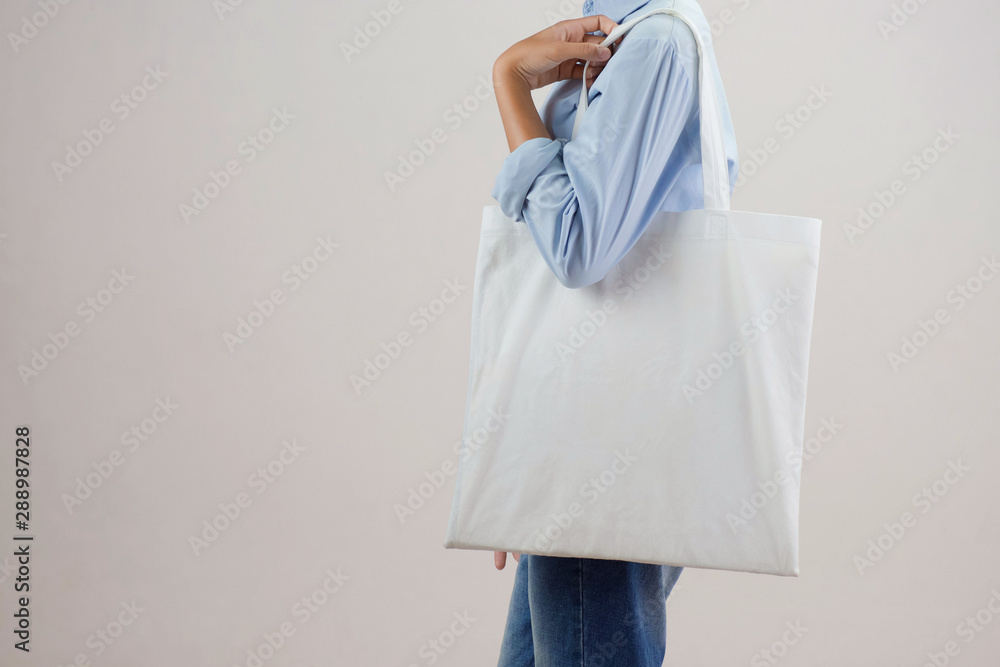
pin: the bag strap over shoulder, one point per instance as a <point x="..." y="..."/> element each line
<point x="713" y="154"/>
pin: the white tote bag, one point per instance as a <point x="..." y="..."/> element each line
<point x="656" y="416"/>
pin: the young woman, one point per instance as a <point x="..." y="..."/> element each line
<point x="587" y="201"/>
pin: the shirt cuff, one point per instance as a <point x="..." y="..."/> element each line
<point x="519" y="171"/>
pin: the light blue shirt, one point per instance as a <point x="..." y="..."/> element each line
<point x="637" y="151"/>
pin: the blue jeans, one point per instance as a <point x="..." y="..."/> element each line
<point x="585" y="612"/>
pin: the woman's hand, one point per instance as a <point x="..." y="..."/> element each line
<point x="500" y="558"/>
<point x="557" y="53"/>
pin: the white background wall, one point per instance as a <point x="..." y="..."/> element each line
<point x="331" y="508"/>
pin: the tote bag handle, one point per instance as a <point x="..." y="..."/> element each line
<point x="713" y="155"/>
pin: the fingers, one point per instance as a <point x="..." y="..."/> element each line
<point x="500" y="558"/>
<point x="596" y="22"/>
<point x="597" y="39"/>
<point x="593" y="69"/>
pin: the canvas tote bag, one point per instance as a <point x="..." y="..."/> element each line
<point x="656" y="416"/>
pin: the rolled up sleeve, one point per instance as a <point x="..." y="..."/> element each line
<point x="520" y="170"/>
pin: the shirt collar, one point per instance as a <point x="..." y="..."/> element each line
<point x="616" y="10"/>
